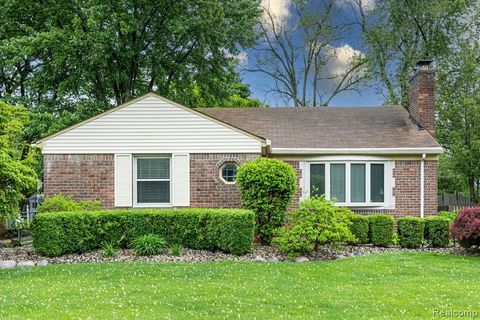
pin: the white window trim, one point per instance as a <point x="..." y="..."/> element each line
<point x="220" y="171"/>
<point x="151" y="205"/>
<point x="388" y="202"/>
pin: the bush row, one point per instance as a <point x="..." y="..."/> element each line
<point x="227" y="230"/>
<point x="413" y="232"/>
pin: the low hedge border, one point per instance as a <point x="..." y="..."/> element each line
<point x="410" y="231"/>
<point x="381" y="229"/>
<point x="227" y="230"/>
<point x="437" y="231"/>
<point x="359" y="228"/>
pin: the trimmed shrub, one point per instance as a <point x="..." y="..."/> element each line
<point x="267" y="187"/>
<point x="359" y="228"/>
<point x="316" y="222"/>
<point x="410" y="232"/>
<point x="227" y="230"/>
<point x="61" y="203"/>
<point x="437" y="231"/>
<point x="466" y="227"/>
<point x="381" y="229"/>
<point x="149" y="245"/>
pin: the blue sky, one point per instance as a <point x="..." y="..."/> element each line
<point x="350" y="42"/>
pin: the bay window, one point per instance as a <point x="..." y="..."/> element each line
<point x="354" y="183"/>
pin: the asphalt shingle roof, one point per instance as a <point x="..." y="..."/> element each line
<point x="358" y="127"/>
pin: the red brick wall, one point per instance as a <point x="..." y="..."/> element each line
<point x="86" y="177"/>
<point x="206" y="187"/>
<point x="422" y="99"/>
<point x="296" y="198"/>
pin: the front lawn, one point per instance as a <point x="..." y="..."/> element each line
<point x="395" y="285"/>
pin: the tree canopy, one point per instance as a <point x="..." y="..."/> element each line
<point x="68" y="60"/>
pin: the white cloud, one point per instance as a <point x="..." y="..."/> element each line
<point x="242" y="58"/>
<point x="367" y="5"/>
<point x="278" y="9"/>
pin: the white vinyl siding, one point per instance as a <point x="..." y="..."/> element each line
<point x="181" y="180"/>
<point x="123" y="180"/>
<point x="151" y="125"/>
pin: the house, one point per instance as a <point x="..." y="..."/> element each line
<point x="152" y="152"/>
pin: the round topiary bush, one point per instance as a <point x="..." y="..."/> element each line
<point x="410" y="231"/>
<point x="267" y="187"/>
<point x="466" y="227"/>
<point x="437" y="231"/>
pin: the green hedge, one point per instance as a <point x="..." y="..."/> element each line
<point x="381" y="229"/>
<point x="359" y="228"/>
<point x="410" y="231"/>
<point x="437" y="231"/>
<point x="227" y="230"/>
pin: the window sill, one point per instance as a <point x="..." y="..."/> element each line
<point x="152" y="205"/>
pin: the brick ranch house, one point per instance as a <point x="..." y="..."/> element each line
<point x="152" y="152"/>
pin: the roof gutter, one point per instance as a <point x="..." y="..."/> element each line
<point x="377" y="151"/>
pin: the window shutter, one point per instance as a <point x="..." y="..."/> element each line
<point x="181" y="180"/>
<point x="123" y="180"/>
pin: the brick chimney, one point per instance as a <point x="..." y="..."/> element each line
<point x="422" y="96"/>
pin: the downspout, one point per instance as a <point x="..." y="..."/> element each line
<point x="422" y="185"/>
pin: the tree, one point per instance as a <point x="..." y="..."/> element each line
<point x="70" y="60"/>
<point x="397" y="33"/>
<point x="17" y="160"/>
<point x="458" y="106"/>
<point x="295" y="55"/>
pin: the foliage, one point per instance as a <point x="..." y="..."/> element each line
<point x="227" y="230"/>
<point x="267" y="187"/>
<point x="61" y="203"/>
<point x="410" y="231"/>
<point x="458" y="106"/>
<point x="466" y="227"/>
<point x="381" y="229"/>
<point x="398" y="33"/>
<point x="70" y="61"/>
<point x="17" y="160"/>
<point x="450" y="215"/>
<point x="176" y="250"/>
<point x="437" y="231"/>
<point x="149" y="245"/>
<point x="109" y="249"/>
<point x="316" y="222"/>
<point x="359" y="228"/>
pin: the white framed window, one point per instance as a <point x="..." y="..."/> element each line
<point x="352" y="183"/>
<point x="152" y="185"/>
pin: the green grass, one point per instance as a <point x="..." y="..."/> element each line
<point x="397" y="285"/>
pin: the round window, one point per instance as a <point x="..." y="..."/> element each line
<point x="228" y="172"/>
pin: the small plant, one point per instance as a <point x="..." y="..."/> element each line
<point x="437" y="231"/>
<point x="466" y="227"/>
<point x="410" y="231"/>
<point x="381" y="229"/>
<point x="149" y="245"/>
<point x="450" y="215"/>
<point x="176" y="250"/>
<point x="61" y="203"/>
<point x="359" y="228"/>
<point x="109" y="249"/>
<point x="316" y="222"/>
<point x="267" y="187"/>
<point x="395" y="239"/>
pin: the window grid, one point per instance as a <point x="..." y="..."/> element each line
<point x="348" y="195"/>
<point x="159" y="171"/>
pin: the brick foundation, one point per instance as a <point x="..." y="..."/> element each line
<point x="206" y="187"/>
<point x="86" y="177"/>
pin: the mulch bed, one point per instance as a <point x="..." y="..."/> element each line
<point x="260" y="254"/>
